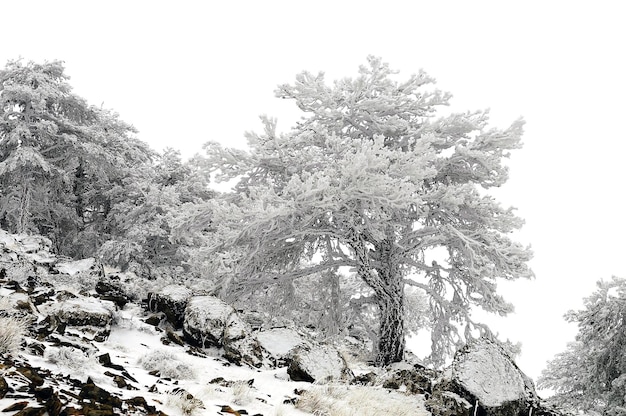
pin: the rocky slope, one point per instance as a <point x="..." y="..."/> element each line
<point x="76" y="340"/>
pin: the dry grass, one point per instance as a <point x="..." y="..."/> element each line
<point x="361" y="401"/>
<point x="168" y="364"/>
<point x="12" y="332"/>
<point x="70" y="358"/>
<point x="182" y="400"/>
<point x="242" y="393"/>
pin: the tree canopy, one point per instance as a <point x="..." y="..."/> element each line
<point x="373" y="181"/>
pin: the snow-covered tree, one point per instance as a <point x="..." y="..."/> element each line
<point x="141" y="223"/>
<point x="371" y="180"/>
<point x="590" y="375"/>
<point x="60" y="158"/>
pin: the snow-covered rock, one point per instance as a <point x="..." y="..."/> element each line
<point x="33" y="243"/>
<point x="240" y="345"/>
<point x="23" y="244"/>
<point x="205" y="320"/>
<point x="19" y="260"/>
<point x="211" y="322"/>
<point x="84" y="311"/>
<point x="319" y="364"/>
<point x="484" y="374"/>
<point x="280" y="342"/>
<point x="172" y="302"/>
<point x="489" y="373"/>
<point x="110" y="288"/>
<point x="89" y="317"/>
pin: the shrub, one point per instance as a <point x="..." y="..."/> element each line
<point x="168" y="364"/>
<point x="12" y="331"/>
<point x="184" y="401"/>
<point x="242" y="393"/>
<point x="69" y="358"/>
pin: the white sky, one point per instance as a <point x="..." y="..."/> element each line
<point x="187" y="72"/>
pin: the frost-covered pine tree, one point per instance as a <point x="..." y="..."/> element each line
<point x="60" y="158"/>
<point x="141" y="224"/>
<point x="590" y="375"/>
<point x="371" y="180"/>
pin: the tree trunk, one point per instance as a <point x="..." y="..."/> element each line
<point x="391" y="341"/>
<point x="388" y="285"/>
<point x="335" y="317"/>
<point x="23" y="217"/>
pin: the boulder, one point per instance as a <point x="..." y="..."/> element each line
<point x="318" y="363"/>
<point x="87" y="270"/>
<point x="34" y="249"/>
<point x="447" y="403"/>
<point x="89" y="317"/>
<point x="211" y="322"/>
<point x="172" y="302"/>
<point x="205" y="320"/>
<point x="240" y="346"/>
<point x="254" y="319"/>
<point x="76" y="267"/>
<point x="42" y="293"/>
<point x="138" y="402"/>
<point x="16" y="303"/>
<point x="110" y="288"/>
<point x="279" y="343"/>
<point x="32" y="243"/>
<point x="32" y="375"/>
<point x="414" y="379"/>
<point x="99" y="395"/>
<point x="483" y="374"/>
<point x="14" y="269"/>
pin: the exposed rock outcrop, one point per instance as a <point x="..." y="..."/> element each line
<point x="211" y="322"/>
<point x="172" y="302"/>
<point x="86" y="317"/>
<point x="485" y="376"/>
<point x="110" y="288"/>
<point x="414" y="379"/>
<point x="280" y="342"/>
<point x="318" y="363"/>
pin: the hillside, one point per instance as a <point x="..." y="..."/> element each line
<point x="79" y="339"/>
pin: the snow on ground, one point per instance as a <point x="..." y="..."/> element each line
<point x="85" y="305"/>
<point x="132" y="340"/>
<point x="176" y="292"/>
<point x="212" y="380"/>
<point x="77" y="266"/>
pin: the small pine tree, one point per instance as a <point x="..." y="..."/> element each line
<point x="590" y="375"/>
